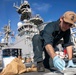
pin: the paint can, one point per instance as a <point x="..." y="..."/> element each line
<point x="9" y="54"/>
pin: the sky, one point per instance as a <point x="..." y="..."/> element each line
<point x="49" y="10"/>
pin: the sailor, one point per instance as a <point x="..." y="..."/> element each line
<point x="48" y="39"/>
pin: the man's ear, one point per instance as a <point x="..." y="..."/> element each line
<point x="61" y="18"/>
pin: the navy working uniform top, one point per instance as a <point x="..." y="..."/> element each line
<point x="52" y="34"/>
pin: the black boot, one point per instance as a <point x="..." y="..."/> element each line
<point x="40" y="66"/>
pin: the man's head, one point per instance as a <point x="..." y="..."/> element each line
<point x="69" y="17"/>
<point x="68" y="20"/>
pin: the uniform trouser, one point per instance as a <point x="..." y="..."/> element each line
<point x="38" y="49"/>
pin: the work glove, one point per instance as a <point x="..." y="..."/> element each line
<point x="71" y="64"/>
<point x="59" y="63"/>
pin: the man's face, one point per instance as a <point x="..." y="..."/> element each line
<point x="65" y="25"/>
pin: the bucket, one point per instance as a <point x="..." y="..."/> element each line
<point x="9" y="54"/>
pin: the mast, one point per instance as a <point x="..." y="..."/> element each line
<point x="24" y="9"/>
<point x="7" y="33"/>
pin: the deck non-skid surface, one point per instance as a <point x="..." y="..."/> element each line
<point x="36" y="73"/>
<point x="67" y="71"/>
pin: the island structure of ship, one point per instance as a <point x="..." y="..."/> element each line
<point x="28" y="26"/>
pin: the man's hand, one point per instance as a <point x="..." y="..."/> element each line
<point x="71" y="64"/>
<point x="59" y="63"/>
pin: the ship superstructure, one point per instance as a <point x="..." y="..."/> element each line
<point x="27" y="28"/>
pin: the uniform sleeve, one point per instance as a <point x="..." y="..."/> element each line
<point x="67" y="39"/>
<point x="47" y="34"/>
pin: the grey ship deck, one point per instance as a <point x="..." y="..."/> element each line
<point x="53" y="71"/>
<point x="36" y="73"/>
